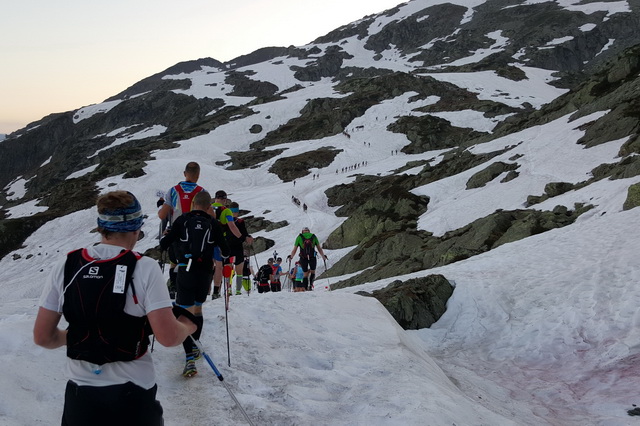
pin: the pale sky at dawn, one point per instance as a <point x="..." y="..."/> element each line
<point x="60" y="56"/>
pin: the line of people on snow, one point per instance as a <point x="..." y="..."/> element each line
<point x="303" y="273"/>
<point x="114" y="299"/>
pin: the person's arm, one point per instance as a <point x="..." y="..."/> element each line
<point x="164" y="211"/>
<point x="233" y="228"/>
<point x="320" y="249"/>
<point x="168" y="330"/>
<point x="46" y="332"/>
<point x="172" y="235"/>
<point x="243" y="230"/>
<point x="218" y="236"/>
<point x="295" y="249"/>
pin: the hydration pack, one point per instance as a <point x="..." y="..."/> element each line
<point x="95" y="294"/>
<point x="307" y="250"/>
<point x="196" y="240"/>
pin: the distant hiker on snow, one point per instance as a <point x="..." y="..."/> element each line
<point x="180" y="199"/>
<point x="226" y="220"/>
<point x="194" y="236"/>
<point x="236" y="244"/>
<point x="307" y="242"/>
<point x="247" y="271"/>
<point x="110" y="295"/>
<point x="264" y="276"/>
<point x="296" y="275"/>
<point x="276" y="285"/>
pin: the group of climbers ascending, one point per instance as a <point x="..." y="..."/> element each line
<point x="114" y="299"/>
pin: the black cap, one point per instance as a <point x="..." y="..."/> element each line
<point x="221" y="194"/>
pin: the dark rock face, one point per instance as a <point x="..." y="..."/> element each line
<point x="383" y="254"/>
<point x="328" y="65"/>
<point x="633" y="197"/>
<point x="297" y="166"/>
<point x="485" y="176"/>
<point x="416" y="303"/>
<point x="13" y="232"/>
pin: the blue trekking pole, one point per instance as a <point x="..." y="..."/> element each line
<point x="217" y="373"/>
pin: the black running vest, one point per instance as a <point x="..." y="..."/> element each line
<point x="94" y="298"/>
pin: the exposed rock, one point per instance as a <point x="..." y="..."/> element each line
<point x="245" y="86"/>
<point x="327" y="65"/>
<point x="392" y="209"/>
<point x="246" y="159"/>
<point x="485" y="176"/>
<point x="261" y="244"/>
<point x="13" y="232"/>
<point x="409" y="250"/>
<point x="553" y="189"/>
<point x="255" y="224"/>
<point x="429" y="133"/>
<point x="633" y="197"/>
<point x="416" y="303"/>
<point x="297" y="166"/>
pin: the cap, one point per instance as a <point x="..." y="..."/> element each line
<point x="221" y="194"/>
<point x="123" y="219"/>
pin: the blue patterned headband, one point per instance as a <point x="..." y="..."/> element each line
<point x="124" y="219"/>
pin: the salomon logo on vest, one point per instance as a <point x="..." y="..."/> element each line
<point x="93" y="273"/>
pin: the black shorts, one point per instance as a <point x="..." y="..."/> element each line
<point x="193" y="286"/>
<point x="124" y="404"/>
<point x="308" y="264"/>
<point x="238" y="256"/>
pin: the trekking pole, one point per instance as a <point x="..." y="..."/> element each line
<point x="288" y="272"/>
<point x="256" y="259"/>
<point x="226" y="316"/>
<point x="161" y="261"/>
<point x="325" y="271"/>
<point x="217" y="373"/>
<point x="227" y="273"/>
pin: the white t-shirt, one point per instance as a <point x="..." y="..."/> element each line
<point x="152" y="294"/>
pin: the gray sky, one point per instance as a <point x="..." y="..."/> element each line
<point x="59" y="56"/>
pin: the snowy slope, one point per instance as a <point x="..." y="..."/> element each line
<point x="541" y="331"/>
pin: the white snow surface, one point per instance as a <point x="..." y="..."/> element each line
<point x="542" y="331"/>
<point x="16" y="189"/>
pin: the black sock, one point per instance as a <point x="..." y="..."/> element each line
<point x="188" y="344"/>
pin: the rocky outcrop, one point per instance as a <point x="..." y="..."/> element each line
<point x="327" y="65"/>
<point x="409" y="250"/>
<point x="13" y="232"/>
<point x="297" y="166"/>
<point x="633" y="197"/>
<point x="488" y="174"/>
<point x="388" y="209"/>
<point x="430" y="133"/>
<point x="416" y="303"/>
<point x="245" y="86"/>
